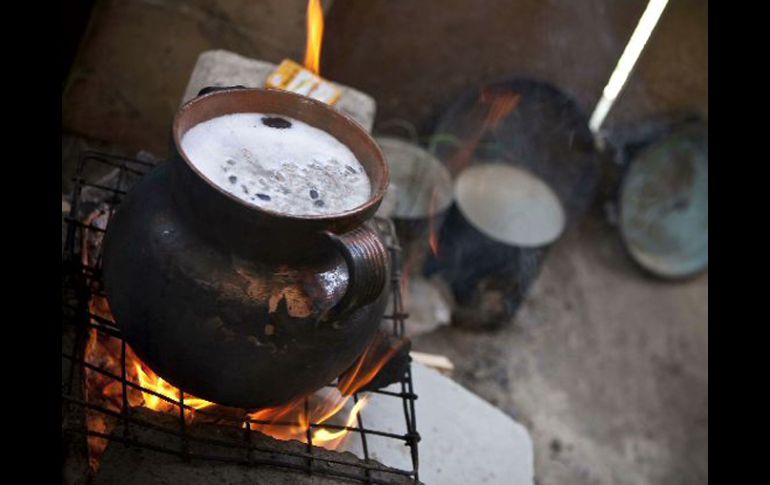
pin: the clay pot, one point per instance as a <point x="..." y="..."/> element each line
<point x="235" y="304"/>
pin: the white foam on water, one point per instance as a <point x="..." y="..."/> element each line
<point x="290" y="167"/>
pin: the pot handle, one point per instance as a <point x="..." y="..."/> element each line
<point x="367" y="261"/>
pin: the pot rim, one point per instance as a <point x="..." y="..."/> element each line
<point x="368" y="207"/>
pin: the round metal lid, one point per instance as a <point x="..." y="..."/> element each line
<point x="664" y="205"/>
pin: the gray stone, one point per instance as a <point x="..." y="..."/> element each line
<point x="464" y="439"/>
<point x="225" y="68"/>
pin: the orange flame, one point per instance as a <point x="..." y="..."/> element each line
<point x="315" y="32"/>
<point x="500" y="106"/>
<point x="322" y="407"/>
<point x="324" y="404"/>
<point x="368" y="365"/>
<point x="433" y="238"/>
<point x="325" y="436"/>
<point x="151" y="381"/>
<point x="104" y="352"/>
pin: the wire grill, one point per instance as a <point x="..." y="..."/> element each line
<point x="81" y="281"/>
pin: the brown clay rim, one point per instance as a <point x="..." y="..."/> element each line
<point x="303" y="108"/>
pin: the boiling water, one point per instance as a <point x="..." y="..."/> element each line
<point x="278" y="163"/>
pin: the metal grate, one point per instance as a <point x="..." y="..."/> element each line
<point x="81" y="280"/>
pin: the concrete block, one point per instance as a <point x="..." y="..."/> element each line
<point x="225" y="68"/>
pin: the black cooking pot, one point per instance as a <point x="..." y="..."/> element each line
<point x="524" y="171"/>
<point x="235" y="304"/>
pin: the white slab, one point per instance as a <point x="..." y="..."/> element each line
<point x="465" y="440"/>
<point x="225" y="68"/>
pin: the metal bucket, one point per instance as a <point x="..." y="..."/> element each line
<point x="419" y="194"/>
<point x="527" y="178"/>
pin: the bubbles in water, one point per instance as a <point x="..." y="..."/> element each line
<point x="278" y="164"/>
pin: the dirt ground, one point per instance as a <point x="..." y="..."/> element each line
<point x="606" y="367"/>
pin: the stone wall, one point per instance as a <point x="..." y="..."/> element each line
<point x="413" y="57"/>
<point x="137" y="56"/>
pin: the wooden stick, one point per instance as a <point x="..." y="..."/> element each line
<point x="439" y="362"/>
